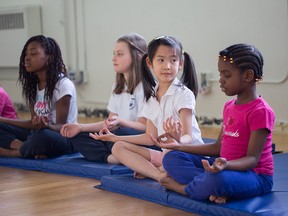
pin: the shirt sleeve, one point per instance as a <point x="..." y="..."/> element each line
<point x="186" y="99"/>
<point x="112" y="107"/>
<point x="139" y="95"/>
<point x="64" y="87"/>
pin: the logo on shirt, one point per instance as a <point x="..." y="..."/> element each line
<point x="132" y="103"/>
<point x="41" y="108"/>
<point x="228" y="124"/>
<point x="230" y="121"/>
<point x="231" y="134"/>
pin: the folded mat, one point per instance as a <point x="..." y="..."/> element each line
<point x="271" y="204"/>
<point x="72" y="164"/>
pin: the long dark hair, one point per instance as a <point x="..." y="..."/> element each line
<point x="55" y="70"/>
<point x="188" y="77"/>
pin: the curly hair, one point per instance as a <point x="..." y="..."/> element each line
<point x="55" y="70"/>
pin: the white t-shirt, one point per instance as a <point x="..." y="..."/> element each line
<point x="127" y="106"/>
<point x="178" y="96"/>
<point x="63" y="87"/>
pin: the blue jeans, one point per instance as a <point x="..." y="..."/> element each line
<point x="187" y="169"/>
<point x="98" y="150"/>
<point x="35" y="142"/>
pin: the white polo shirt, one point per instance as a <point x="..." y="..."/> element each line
<point x="178" y="96"/>
<point x="127" y="106"/>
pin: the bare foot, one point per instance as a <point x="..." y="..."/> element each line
<point x="162" y="176"/>
<point x="9" y="152"/>
<point x="218" y="200"/>
<point x="138" y="175"/>
<point x="41" y="157"/>
<point x="162" y="169"/>
<point x="171" y="184"/>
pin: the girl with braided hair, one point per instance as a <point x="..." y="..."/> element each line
<point x="240" y="163"/>
<point x="51" y="97"/>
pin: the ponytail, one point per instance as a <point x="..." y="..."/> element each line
<point x="189" y="77"/>
<point x="148" y="80"/>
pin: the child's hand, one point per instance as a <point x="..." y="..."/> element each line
<point x="104" y="135"/>
<point x="174" y="129"/>
<point x="165" y="141"/>
<point x="39" y="122"/>
<point x="112" y="123"/>
<point x="218" y="165"/>
<point x="70" y="130"/>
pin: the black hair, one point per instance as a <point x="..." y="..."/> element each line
<point x="245" y="56"/>
<point x="138" y="47"/>
<point x="55" y="70"/>
<point x="188" y="77"/>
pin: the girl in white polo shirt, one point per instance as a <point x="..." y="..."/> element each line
<point x="125" y="103"/>
<point x="168" y="100"/>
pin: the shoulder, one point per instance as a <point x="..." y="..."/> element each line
<point x="65" y="82"/>
<point x="184" y="93"/>
<point x="139" y="89"/>
<point x="2" y="91"/>
<point x="260" y="105"/>
<point x="230" y="103"/>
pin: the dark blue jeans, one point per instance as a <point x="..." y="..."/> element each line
<point x="35" y="142"/>
<point x="98" y="150"/>
<point x="187" y="169"/>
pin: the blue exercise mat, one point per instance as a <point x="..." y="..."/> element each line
<point x="273" y="204"/>
<point x="72" y="164"/>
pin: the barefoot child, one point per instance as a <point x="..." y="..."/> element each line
<point x="51" y="97"/>
<point x="240" y="163"/>
<point x="170" y="100"/>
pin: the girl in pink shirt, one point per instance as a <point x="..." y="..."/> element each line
<point x="240" y="163"/>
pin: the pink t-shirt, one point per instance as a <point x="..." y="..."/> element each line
<point x="238" y="123"/>
<point x="6" y="106"/>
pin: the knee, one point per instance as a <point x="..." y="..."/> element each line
<point x="79" y="140"/>
<point x="169" y="158"/>
<point x="118" y="146"/>
<point x="75" y="143"/>
<point x="39" y="136"/>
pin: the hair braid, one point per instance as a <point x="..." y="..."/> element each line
<point x="245" y="56"/>
<point x="55" y="70"/>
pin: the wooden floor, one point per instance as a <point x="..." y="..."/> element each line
<point x="37" y="193"/>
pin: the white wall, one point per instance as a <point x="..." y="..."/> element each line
<point x="87" y="29"/>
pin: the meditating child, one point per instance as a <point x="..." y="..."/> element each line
<point x="240" y="164"/>
<point x="51" y="97"/>
<point x="167" y="100"/>
<point x="125" y="103"/>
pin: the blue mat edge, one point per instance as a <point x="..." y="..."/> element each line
<point x="228" y="209"/>
<point x="71" y="165"/>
